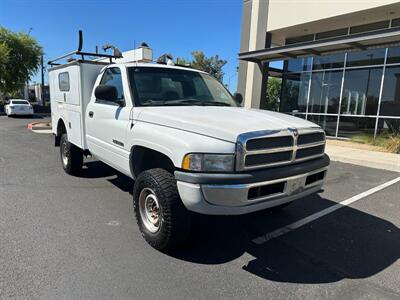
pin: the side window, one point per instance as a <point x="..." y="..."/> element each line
<point x="63" y="81"/>
<point x="112" y="76"/>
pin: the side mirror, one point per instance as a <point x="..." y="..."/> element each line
<point x="106" y="92"/>
<point x="238" y="98"/>
<point x="120" y="102"/>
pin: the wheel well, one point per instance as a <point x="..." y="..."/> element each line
<point x="142" y="159"/>
<point x="60" y="130"/>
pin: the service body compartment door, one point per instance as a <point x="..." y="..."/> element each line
<point x="65" y="94"/>
<point x="74" y="127"/>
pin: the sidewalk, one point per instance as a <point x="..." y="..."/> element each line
<point x="367" y="158"/>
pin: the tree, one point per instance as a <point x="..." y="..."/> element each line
<point x="19" y="59"/>
<point x="273" y="93"/>
<point x="212" y="65"/>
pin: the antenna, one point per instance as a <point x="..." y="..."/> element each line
<point x="134" y="50"/>
<point x="80" y="41"/>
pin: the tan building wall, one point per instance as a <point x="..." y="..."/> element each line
<point x="286" y="13"/>
<point x="289" y="18"/>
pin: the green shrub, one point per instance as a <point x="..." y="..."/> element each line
<point x="388" y="141"/>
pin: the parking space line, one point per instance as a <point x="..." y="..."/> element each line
<point x="283" y="230"/>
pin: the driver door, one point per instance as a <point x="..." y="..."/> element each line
<point x="107" y="122"/>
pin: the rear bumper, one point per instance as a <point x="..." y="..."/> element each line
<point x="233" y="194"/>
<point x="21" y="113"/>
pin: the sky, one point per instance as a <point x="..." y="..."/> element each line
<point x="167" y="26"/>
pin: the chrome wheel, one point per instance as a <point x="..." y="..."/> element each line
<point x="64" y="154"/>
<point x="150" y="210"/>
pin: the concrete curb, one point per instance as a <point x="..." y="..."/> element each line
<point x="366" y="158"/>
<point x="39" y="126"/>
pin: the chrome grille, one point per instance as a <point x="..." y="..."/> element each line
<point x="262" y="149"/>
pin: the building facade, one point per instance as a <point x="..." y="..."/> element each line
<point x="341" y="61"/>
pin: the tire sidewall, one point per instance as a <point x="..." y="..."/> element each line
<point x="150" y="182"/>
<point x="175" y="222"/>
<point x="65" y="144"/>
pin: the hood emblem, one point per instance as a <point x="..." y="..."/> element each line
<point x="294" y="131"/>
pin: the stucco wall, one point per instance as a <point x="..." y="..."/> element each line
<point x="286" y="13"/>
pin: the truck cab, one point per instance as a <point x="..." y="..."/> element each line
<point x="185" y="140"/>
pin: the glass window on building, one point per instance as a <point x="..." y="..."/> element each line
<point x="361" y="91"/>
<point x="366" y="58"/>
<point x="295" y="92"/>
<point x="388" y="126"/>
<point x="351" y="126"/>
<point x="333" y="61"/>
<point x="393" y="56"/>
<point x="325" y="92"/>
<point x="299" y="64"/>
<point x="390" y="104"/>
<point x="370" y="27"/>
<point x="328" y="123"/>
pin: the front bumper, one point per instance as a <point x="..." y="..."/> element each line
<point x="234" y="194"/>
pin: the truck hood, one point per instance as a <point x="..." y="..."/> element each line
<point x="224" y="123"/>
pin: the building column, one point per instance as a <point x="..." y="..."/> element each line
<point x="253" y="37"/>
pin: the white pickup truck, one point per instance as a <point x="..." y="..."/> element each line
<point x="184" y="139"/>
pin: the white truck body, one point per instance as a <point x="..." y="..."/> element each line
<point x="69" y="98"/>
<point x="224" y="159"/>
<point x="174" y="131"/>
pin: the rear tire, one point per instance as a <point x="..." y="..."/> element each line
<point x="160" y="214"/>
<point x="71" y="156"/>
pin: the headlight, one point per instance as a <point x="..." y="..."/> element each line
<point x="202" y="162"/>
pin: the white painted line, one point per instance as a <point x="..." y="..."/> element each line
<point x="283" y="230"/>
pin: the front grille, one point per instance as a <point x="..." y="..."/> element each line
<point x="272" y="148"/>
<point x="268" y="158"/>
<point x="310" y="138"/>
<point x="269" y="143"/>
<point x="310" y="151"/>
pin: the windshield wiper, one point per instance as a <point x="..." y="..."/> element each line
<point x="196" y="102"/>
<point x="183" y="102"/>
<point x="215" y="103"/>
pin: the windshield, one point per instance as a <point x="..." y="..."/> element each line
<point x="154" y="86"/>
<point x="19" y="102"/>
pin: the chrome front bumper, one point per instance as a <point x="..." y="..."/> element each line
<point x="233" y="198"/>
<point x="238" y="195"/>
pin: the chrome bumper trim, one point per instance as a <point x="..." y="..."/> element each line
<point x="237" y="194"/>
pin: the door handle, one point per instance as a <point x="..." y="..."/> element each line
<point x="91" y="114"/>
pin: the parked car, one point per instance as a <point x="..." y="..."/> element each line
<point x="184" y="139"/>
<point x="18" y="107"/>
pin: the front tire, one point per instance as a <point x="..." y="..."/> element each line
<point x="71" y="156"/>
<point x="161" y="216"/>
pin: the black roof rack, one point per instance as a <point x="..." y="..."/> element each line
<point x="83" y="54"/>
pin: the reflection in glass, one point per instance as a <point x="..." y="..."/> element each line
<point x="390" y="104"/>
<point x="325" y="92"/>
<point x="393" y="55"/>
<point x="295" y="92"/>
<point x="365" y="58"/>
<point x="328" y="61"/>
<point x="388" y="126"/>
<point x="361" y="91"/>
<point x="299" y="64"/>
<point x="328" y="123"/>
<point x="351" y="126"/>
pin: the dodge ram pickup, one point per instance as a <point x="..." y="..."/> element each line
<point x="184" y="139"/>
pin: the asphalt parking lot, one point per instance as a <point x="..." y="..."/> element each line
<point x="64" y="237"/>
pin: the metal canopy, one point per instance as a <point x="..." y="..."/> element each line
<point x="360" y="41"/>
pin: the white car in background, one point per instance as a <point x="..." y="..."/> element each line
<point x="18" y="107"/>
